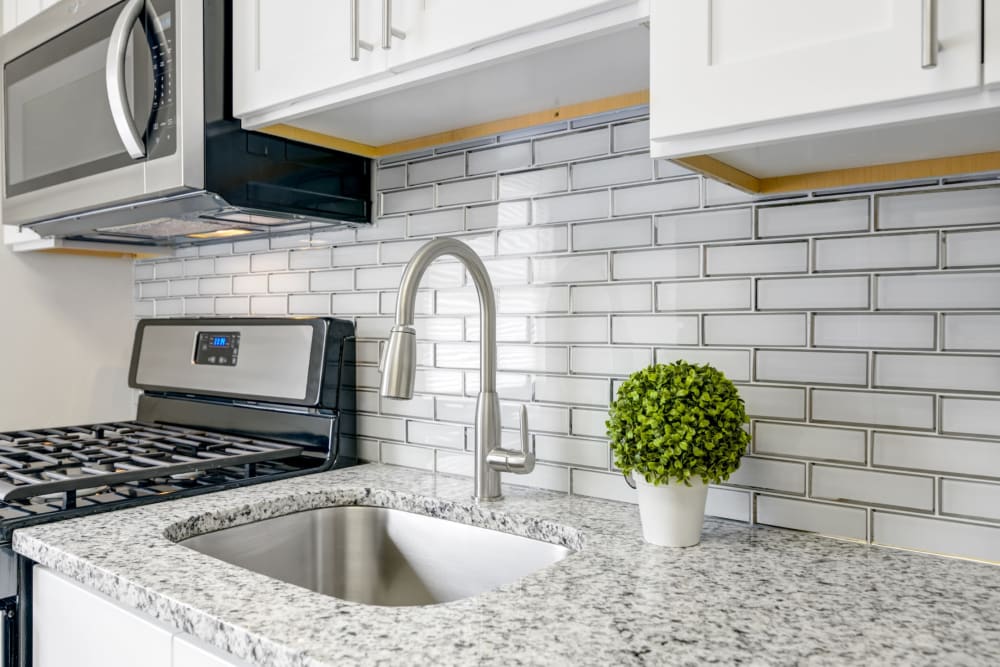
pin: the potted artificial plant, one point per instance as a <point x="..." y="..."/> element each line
<point x="674" y="428"/>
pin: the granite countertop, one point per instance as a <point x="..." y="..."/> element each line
<point x="750" y="595"/>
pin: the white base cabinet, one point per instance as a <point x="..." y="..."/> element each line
<point x="74" y="625"/>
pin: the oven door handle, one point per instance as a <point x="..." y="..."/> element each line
<point x="115" y="79"/>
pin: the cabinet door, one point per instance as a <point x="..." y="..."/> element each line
<point x="438" y="28"/>
<point x="991" y="42"/>
<point x="727" y="63"/>
<point x="190" y="652"/>
<point x="284" y="50"/>
<point x="72" y="625"/>
<point x="16" y="12"/>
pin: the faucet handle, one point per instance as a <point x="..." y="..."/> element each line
<point x="511" y="460"/>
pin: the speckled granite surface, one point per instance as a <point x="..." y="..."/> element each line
<point x="744" y="596"/>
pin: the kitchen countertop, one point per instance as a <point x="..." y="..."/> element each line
<point x="751" y="595"/>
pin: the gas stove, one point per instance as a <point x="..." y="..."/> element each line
<point x="224" y="403"/>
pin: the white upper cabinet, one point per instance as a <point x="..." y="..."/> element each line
<point x="286" y="49"/>
<point x="16" y="12"/>
<point x="730" y="63"/>
<point x="435" y="28"/>
<point x="991" y="42"/>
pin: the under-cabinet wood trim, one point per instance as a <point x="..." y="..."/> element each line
<point x="567" y="112"/>
<point x="97" y="253"/>
<point x="840" y="178"/>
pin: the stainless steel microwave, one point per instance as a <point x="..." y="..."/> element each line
<point x="118" y="127"/>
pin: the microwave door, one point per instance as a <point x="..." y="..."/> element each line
<point x="86" y="112"/>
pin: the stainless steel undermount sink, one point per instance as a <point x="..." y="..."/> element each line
<point x="379" y="556"/>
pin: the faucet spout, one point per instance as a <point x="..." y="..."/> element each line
<point x="399" y="365"/>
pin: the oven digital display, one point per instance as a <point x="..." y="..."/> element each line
<point x="216" y="349"/>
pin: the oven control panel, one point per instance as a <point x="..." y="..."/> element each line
<point x="217" y="348"/>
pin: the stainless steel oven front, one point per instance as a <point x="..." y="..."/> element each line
<point x="103" y="103"/>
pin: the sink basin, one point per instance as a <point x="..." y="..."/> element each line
<point x="379" y="556"/>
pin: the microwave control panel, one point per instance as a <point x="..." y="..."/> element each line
<point x="216" y="348"/>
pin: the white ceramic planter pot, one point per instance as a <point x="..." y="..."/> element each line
<point x="672" y="513"/>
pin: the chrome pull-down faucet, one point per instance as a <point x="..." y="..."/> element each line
<point x="400" y="359"/>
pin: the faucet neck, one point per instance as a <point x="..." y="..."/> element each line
<point x="412" y="276"/>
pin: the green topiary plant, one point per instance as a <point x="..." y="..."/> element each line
<point x="675" y="421"/>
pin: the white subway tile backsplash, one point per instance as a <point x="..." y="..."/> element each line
<point x="972" y="332"/>
<point x="502" y="214"/>
<point x="774" y="402"/>
<point x="329" y="281"/>
<point x="466" y="192"/>
<point x="771" y="475"/>
<point x="873" y="408"/>
<point x="654" y="329"/>
<point x="436" y="222"/>
<point x="970" y="499"/>
<point x="704" y="295"/>
<point x="968" y="416"/>
<point x="934" y="453"/>
<point x="630" y="136"/>
<point x="288" y="282"/>
<point x="611" y="298"/>
<point x="579" y="206"/>
<point x="720" y="194"/>
<point x="576" y="249"/>
<point x="944" y="208"/>
<point x="728" y="504"/>
<point x="573" y="451"/>
<point x="589" y="423"/>
<point x="614" y="234"/>
<point x="875" y="488"/>
<point x="531" y="241"/>
<point x="527" y="300"/>
<point x="437" y="169"/>
<point x="572" y="146"/>
<point x="809" y="442"/>
<point x="318" y="258"/>
<point x="798" y="366"/>
<point x="229" y="305"/>
<point x="570" y="269"/>
<point x="936" y="536"/>
<point x="813" y="293"/>
<point x="728" y="260"/>
<point x="893" y="251"/>
<point x="501" y="158"/>
<point x="734" y="364"/>
<point x="832" y="520"/>
<point x="268" y="261"/>
<point x="235" y="264"/>
<point x="533" y="182"/>
<point x="402" y="201"/>
<point x="662" y="263"/>
<point x="778" y="330"/>
<point x="944" y="372"/>
<point x="269" y="305"/>
<point x="572" y="390"/>
<point x="808" y="219"/>
<point x="384" y="228"/>
<point x="621" y="361"/>
<point x="611" y="171"/>
<point x="667" y="196"/>
<point x="874" y="331"/>
<point x="720" y="225"/>
<point x="586" y="329"/>
<point x="979" y="248"/>
<point x="309" y="304"/>
<point x="390" y="178"/>
<point x="378" y="278"/>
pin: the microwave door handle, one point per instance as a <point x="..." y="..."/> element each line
<point x="115" y="79"/>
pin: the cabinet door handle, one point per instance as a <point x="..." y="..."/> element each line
<point x="356" y="43"/>
<point x="929" y="35"/>
<point x="388" y="32"/>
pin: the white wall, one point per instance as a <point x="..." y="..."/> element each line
<point x="66" y="324"/>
